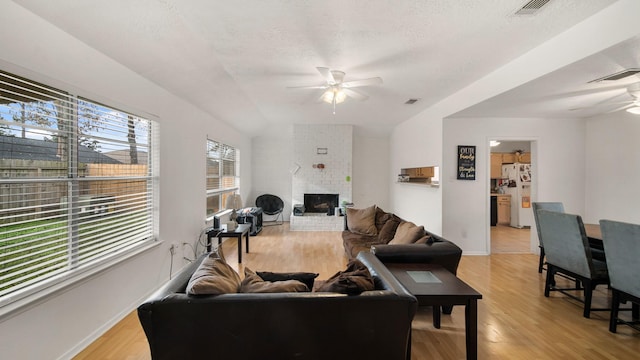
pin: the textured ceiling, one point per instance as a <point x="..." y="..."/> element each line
<point x="235" y="59"/>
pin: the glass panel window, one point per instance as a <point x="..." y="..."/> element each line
<point x="76" y="185"/>
<point x="222" y="175"/>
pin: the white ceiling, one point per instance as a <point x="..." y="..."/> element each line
<point x="235" y="59"/>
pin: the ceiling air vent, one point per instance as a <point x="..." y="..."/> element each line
<point x="531" y="7"/>
<point x="617" y="76"/>
<point x="411" y="101"/>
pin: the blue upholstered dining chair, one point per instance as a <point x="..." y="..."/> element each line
<point x="622" y="248"/>
<point x="568" y="252"/>
<point x="551" y="206"/>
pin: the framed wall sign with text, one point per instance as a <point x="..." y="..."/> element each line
<point x="466" y="162"/>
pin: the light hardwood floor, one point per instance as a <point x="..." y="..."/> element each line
<point x="515" y="320"/>
<point x="509" y="240"/>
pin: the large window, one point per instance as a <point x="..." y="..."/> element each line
<point x="76" y="185"/>
<point x="222" y="175"/>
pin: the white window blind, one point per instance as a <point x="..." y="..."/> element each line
<point x="222" y="174"/>
<point x="76" y="185"/>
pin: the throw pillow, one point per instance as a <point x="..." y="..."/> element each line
<point x="388" y="230"/>
<point x="306" y="278"/>
<point x="355" y="279"/>
<point x="362" y="221"/>
<point x="425" y="240"/>
<point x="407" y="233"/>
<point x="213" y="277"/>
<point x="253" y="283"/>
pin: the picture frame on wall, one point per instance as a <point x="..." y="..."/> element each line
<point x="466" y="162"/>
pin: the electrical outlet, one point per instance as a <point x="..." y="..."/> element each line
<point x="173" y="248"/>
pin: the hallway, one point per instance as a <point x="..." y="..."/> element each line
<point x="509" y="240"/>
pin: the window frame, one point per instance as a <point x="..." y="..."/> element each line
<point x="221" y="191"/>
<point x="95" y="259"/>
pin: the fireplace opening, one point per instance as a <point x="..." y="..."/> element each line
<point x="320" y="203"/>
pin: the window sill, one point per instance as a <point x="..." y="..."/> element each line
<point x="23" y="302"/>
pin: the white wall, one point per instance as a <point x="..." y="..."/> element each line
<point x="370" y="168"/>
<point x="273" y="158"/>
<point x="613" y="168"/>
<point x="62" y="324"/>
<point x="418" y="141"/>
<point x="557" y="171"/>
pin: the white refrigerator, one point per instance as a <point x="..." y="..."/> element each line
<point x="516" y="181"/>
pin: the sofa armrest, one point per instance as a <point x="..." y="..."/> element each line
<point x="443" y="253"/>
<point x="382" y="276"/>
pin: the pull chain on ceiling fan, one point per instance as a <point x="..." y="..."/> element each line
<point x="336" y="90"/>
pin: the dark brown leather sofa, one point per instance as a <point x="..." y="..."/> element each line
<point x="433" y="249"/>
<point x="309" y="325"/>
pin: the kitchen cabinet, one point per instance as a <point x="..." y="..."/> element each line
<point x="419" y="173"/>
<point x="427" y="175"/>
<point x="504" y="209"/>
<point x="508" y="158"/>
<point x="496" y="165"/>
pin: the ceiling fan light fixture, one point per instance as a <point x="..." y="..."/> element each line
<point x="340" y="96"/>
<point x="334" y="93"/>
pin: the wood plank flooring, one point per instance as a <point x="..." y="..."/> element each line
<point x="509" y="240"/>
<point x="515" y="320"/>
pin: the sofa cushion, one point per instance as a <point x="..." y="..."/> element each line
<point x="362" y="221"/>
<point x="407" y="233"/>
<point x="427" y="239"/>
<point x="213" y="277"/>
<point x="355" y="279"/>
<point x="306" y="278"/>
<point x="354" y="243"/>
<point x="253" y="283"/>
<point x="388" y="230"/>
<point x="382" y="217"/>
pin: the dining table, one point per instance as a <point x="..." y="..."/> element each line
<point x="593" y="231"/>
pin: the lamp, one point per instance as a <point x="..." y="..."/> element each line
<point x="234" y="202"/>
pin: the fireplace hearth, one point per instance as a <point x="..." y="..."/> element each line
<point x="320" y="203"/>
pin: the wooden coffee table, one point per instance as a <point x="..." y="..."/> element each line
<point x="435" y="286"/>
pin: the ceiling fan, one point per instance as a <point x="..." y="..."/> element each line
<point x="336" y="90"/>
<point x="634" y="91"/>
<point x="631" y="105"/>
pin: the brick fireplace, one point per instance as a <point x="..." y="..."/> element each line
<point x="322" y="166"/>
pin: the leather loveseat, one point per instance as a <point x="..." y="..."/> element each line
<point x="303" y="325"/>
<point x="380" y="238"/>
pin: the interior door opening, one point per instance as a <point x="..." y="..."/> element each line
<point x="511" y="185"/>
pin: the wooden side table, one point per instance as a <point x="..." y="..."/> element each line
<point x="238" y="232"/>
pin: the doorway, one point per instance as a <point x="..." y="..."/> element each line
<point x="511" y="184"/>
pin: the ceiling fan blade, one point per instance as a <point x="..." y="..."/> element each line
<point x="354" y="94"/>
<point x="363" y="82"/>
<point x="326" y="73"/>
<point x="621" y="108"/>
<point x="338" y="76"/>
<point x="308" y="87"/>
